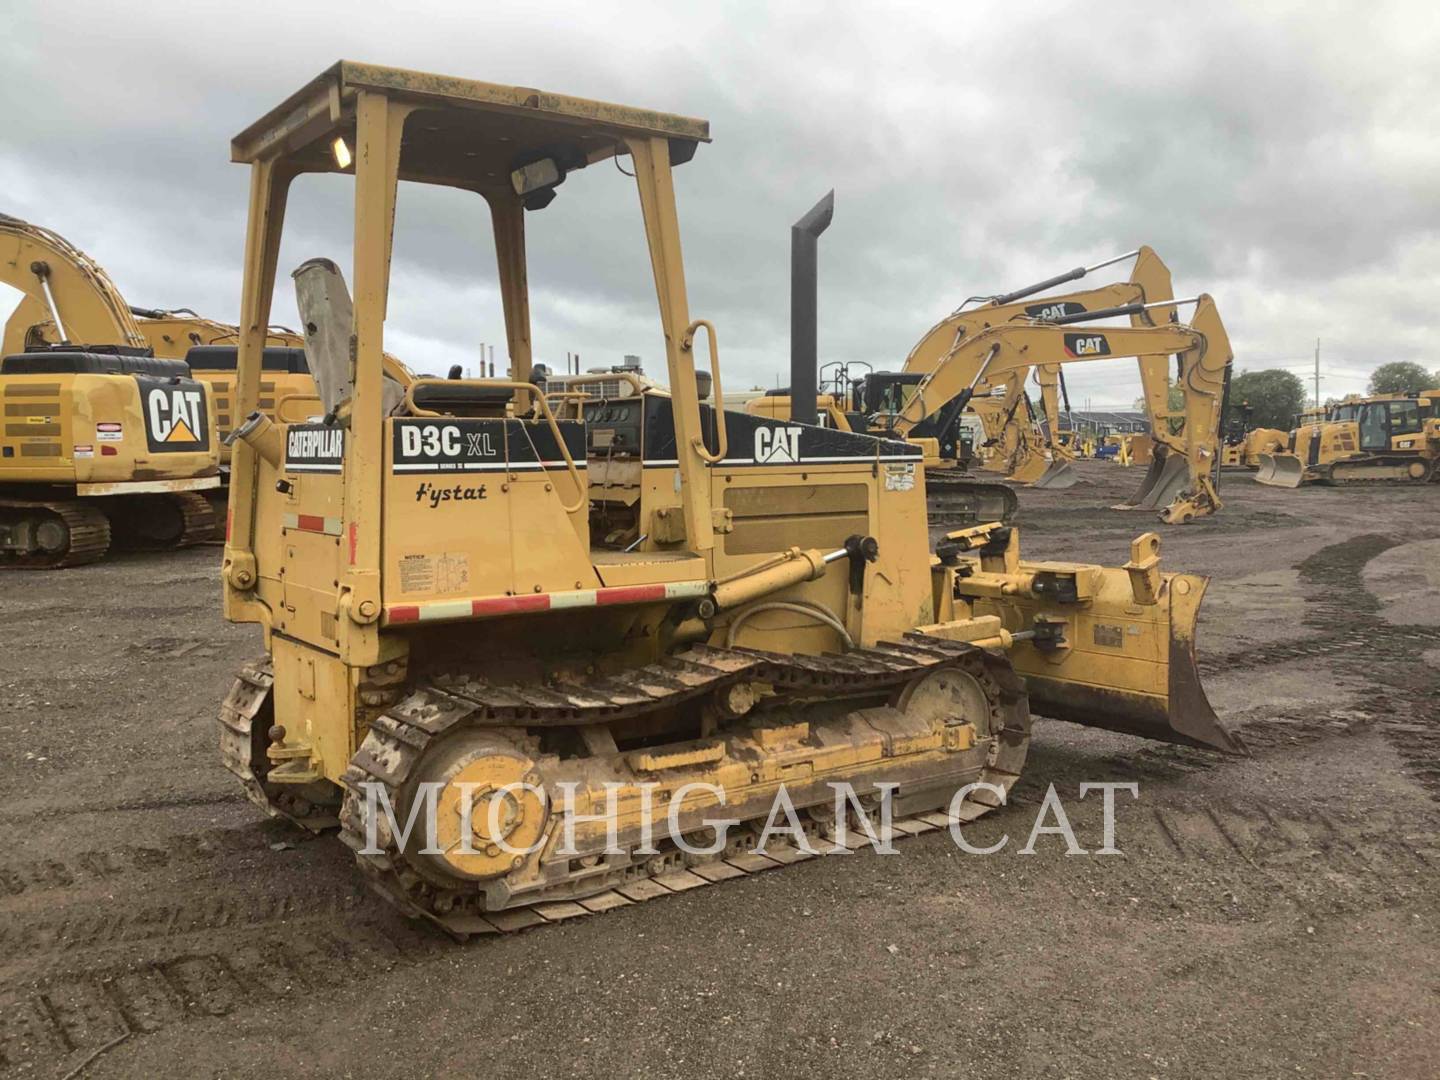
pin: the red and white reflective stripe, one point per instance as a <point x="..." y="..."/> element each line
<point x="312" y="523"/>
<point x="490" y="606"/>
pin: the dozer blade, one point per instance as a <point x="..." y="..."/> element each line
<point x="1280" y="470"/>
<point x="1165" y="478"/>
<point x="1060" y="475"/>
<point x="1129" y="672"/>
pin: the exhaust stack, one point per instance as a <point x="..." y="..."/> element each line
<point x="804" y="311"/>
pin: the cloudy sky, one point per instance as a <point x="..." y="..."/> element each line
<point x="1283" y="157"/>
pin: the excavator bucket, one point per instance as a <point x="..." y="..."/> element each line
<point x="1166" y="477"/>
<point x="1280" y="470"/>
<point x="1029" y="471"/>
<point x="1133" y="666"/>
<point x="1059" y="475"/>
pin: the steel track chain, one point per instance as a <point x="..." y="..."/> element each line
<point x="399" y="739"/>
<point x="89" y="535"/>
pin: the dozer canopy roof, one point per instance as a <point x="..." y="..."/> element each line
<point x="463" y="133"/>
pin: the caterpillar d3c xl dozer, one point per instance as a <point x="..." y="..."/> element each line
<point x="447" y="629"/>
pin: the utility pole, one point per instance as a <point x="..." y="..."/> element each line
<point x="1317" y="373"/>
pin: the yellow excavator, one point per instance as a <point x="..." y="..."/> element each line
<point x="1016" y="446"/>
<point x="1383" y="439"/>
<point x="103" y="441"/>
<point x="68" y="296"/>
<point x="514" y="722"/>
<point x="1203" y="349"/>
<point x="1029" y="452"/>
<point x="1046" y="463"/>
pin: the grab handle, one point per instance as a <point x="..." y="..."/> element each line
<point x="687" y="344"/>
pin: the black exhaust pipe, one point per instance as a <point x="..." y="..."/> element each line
<point x="804" y="310"/>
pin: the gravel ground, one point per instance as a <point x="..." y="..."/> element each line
<point x="1271" y="915"/>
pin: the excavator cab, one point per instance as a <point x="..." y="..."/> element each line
<point x="451" y="639"/>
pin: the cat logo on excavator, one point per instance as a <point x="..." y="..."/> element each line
<point x="1086" y="345"/>
<point x="1055" y="309"/>
<point x="174" y="414"/>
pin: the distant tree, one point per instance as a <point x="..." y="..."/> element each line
<point x="1399" y="377"/>
<point x="1274" y="396"/>
<point x="1174" y="401"/>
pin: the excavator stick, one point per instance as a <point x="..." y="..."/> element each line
<point x="1280" y="470"/>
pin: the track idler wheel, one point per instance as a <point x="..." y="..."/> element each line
<point x="487" y="797"/>
<point x="51" y="536"/>
<point x="986" y="695"/>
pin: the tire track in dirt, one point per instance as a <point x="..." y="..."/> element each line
<point x="94" y="978"/>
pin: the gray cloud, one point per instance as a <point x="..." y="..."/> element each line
<point x="1283" y="159"/>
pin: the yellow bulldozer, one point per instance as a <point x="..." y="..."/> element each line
<point x="488" y="695"/>
<point x="1384" y="439"/>
<point x="1243" y="443"/>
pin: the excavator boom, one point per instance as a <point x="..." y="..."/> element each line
<point x="1001" y="352"/>
<point x="68" y="296"/>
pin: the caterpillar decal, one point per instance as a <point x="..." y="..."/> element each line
<point x="175" y="415"/>
<point x="1054" y="309"/>
<point x="1077" y="345"/>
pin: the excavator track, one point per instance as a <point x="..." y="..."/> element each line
<point x="444" y="707"/>
<point x="960" y="499"/>
<point x="83" y="532"/>
<point x="400" y="739"/>
<point x="1377" y="469"/>
<point x="190" y="520"/>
